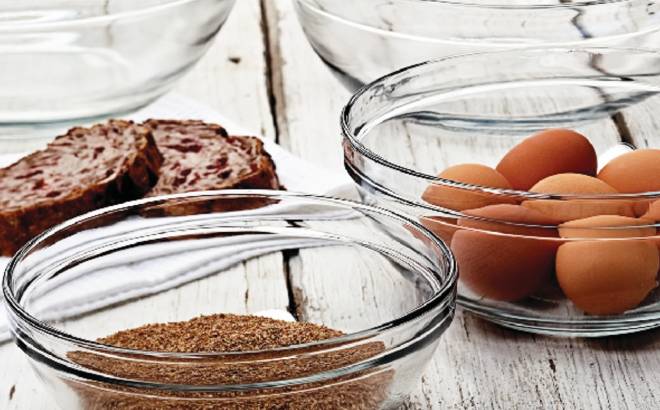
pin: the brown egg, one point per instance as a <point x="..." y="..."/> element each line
<point x="641" y="206"/>
<point x="550" y="152"/>
<point x="606" y="277"/>
<point x="460" y="199"/>
<point x="653" y="214"/>
<point x="497" y="264"/>
<point x="634" y="172"/>
<point x="568" y="210"/>
<point x="523" y="221"/>
<point x="572" y="184"/>
<point x="607" y="226"/>
<point x="653" y="211"/>
<point x="442" y="227"/>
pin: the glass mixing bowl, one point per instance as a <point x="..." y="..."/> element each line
<point x="364" y="40"/>
<point x="116" y="268"/>
<point x="65" y="61"/>
<point x="402" y="130"/>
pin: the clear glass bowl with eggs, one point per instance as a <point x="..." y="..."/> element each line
<point x="539" y="167"/>
<point x="66" y="61"/>
<point x="363" y="40"/>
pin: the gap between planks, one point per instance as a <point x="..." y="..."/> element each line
<point x="271" y="59"/>
<point x="478" y="365"/>
<point x="275" y="89"/>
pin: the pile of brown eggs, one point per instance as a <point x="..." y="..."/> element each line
<point x="602" y="250"/>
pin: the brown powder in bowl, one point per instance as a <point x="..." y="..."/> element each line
<point x="233" y="333"/>
<point x="219" y="333"/>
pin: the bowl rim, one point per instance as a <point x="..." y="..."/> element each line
<point x="441" y="297"/>
<point x="416" y="69"/>
<point x="502" y="5"/>
<point x="9" y="27"/>
<point x="558" y="238"/>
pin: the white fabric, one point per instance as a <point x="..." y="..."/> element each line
<point x="62" y="300"/>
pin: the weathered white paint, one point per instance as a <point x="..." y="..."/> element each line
<point x="478" y="365"/>
<point x="230" y="78"/>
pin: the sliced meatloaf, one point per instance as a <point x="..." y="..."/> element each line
<point x="199" y="156"/>
<point x="85" y="169"/>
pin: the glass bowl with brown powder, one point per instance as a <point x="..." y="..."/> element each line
<point x="232" y="300"/>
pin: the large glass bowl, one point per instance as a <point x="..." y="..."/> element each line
<point x="364" y="40"/>
<point x="402" y="130"/>
<point x="66" y="61"/>
<point x="174" y="258"/>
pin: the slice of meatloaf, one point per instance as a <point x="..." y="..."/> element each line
<point x="85" y="169"/>
<point x="199" y="156"/>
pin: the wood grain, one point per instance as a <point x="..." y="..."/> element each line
<point x="478" y="364"/>
<point x="307" y="114"/>
<point x="230" y="78"/>
<point x="641" y="124"/>
<point x="262" y="73"/>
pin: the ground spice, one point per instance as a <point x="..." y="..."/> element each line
<point x="219" y="333"/>
<point x="237" y="334"/>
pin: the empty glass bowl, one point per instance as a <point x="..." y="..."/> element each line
<point x="173" y="258"/>
<point x="364" y="40"/>
<point x="65" y="61"/>
<point x="528" y="260"/>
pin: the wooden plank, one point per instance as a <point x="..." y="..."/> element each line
<point x="231" y="79"/>
<point x="480" y="365"/>
<point x="307" y="111"/>
<point x="641" y="123"/>
<point x="477" y="365"/>
<point x="316" y="282"/>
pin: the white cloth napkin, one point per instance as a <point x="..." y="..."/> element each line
<point x="62" y="299"/>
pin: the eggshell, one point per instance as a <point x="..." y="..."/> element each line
<point x="501" y="265"/>
<point x="571" y="183"/>
<point x="550" y="152"/>
<point x="522" y="221"/>
<point x="606" y="277"/>
<point x="653" y="211"/>
<point x="614" y="151"/>
<point x="442" y="227"/>
<point x="607" y="226"/>
<point x="460" y="199"/>
<point x="642" y="206"/>
<point x="568" y="210"/>
<point x="653" y="215"/>
<point x="635" y="172"/>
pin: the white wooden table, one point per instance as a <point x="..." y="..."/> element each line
<point x="262" y="73"/>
